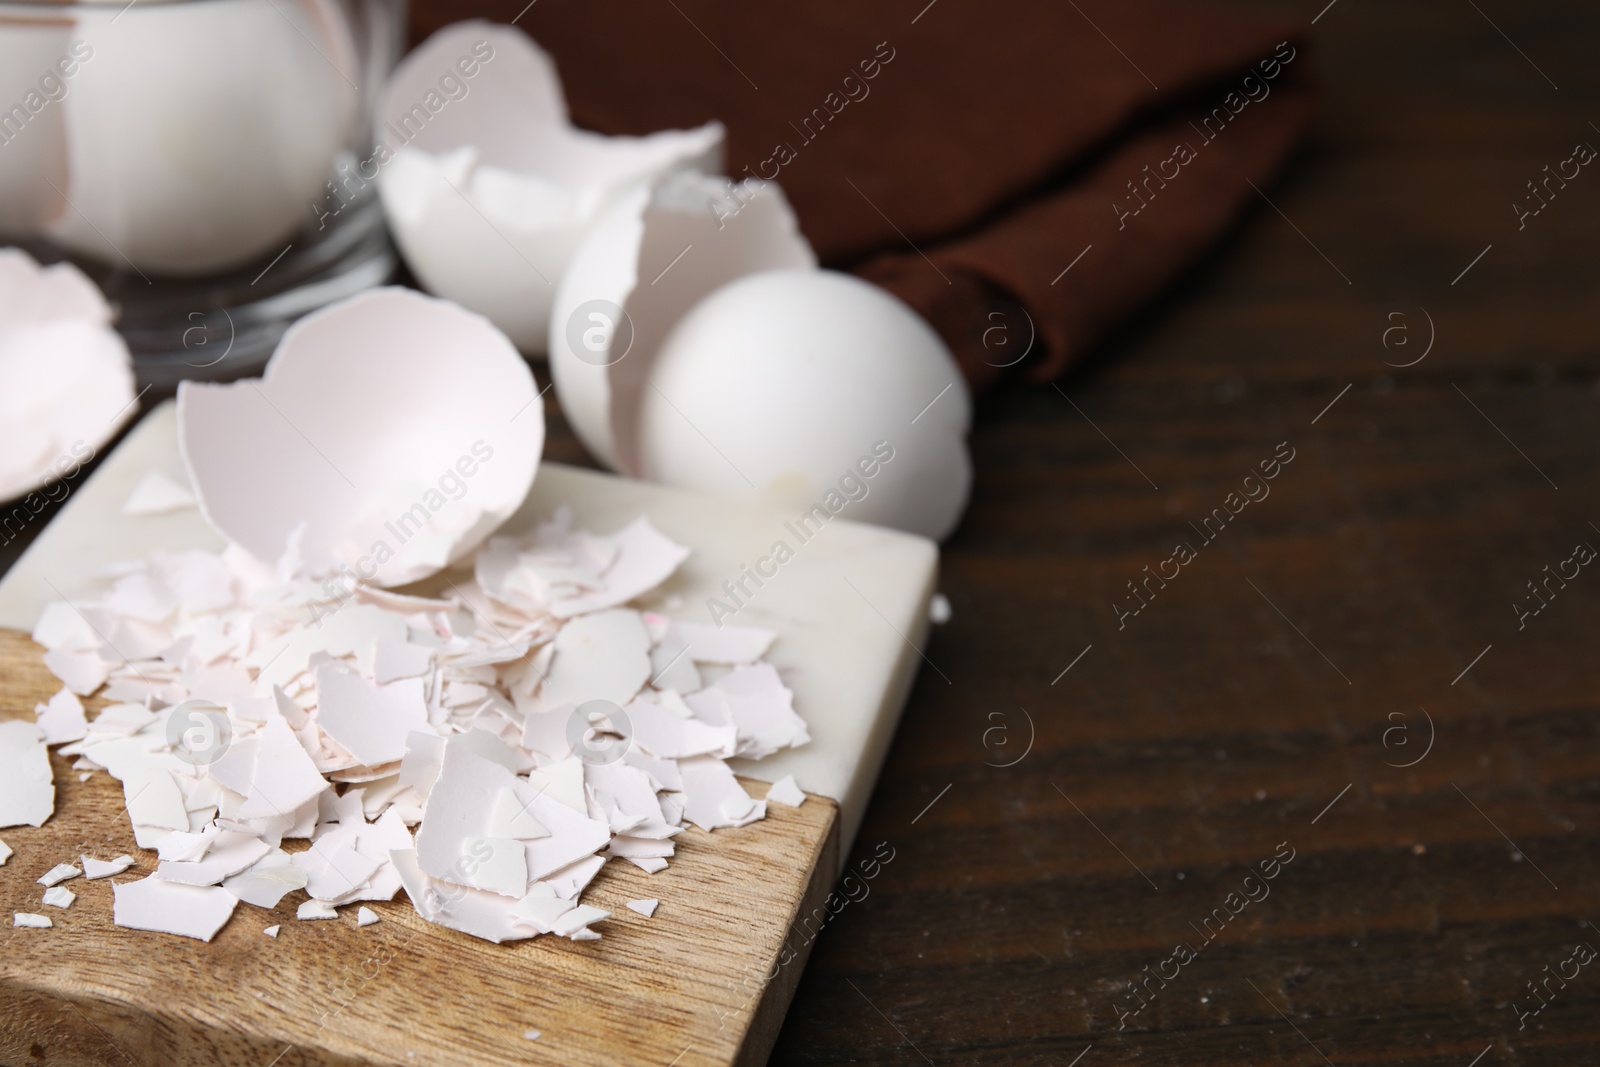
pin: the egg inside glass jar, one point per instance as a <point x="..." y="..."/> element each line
<point x="198" y="134"/>
<point x="33" y="164"/>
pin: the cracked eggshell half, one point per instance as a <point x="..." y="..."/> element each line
<point x="397" y="429"/>
<point x="812" y="388"/>
<point x="199" y="135"/>
<point x="651" y="259"/>
<point x="66" y="382"/>
<point x="490" y="189"/>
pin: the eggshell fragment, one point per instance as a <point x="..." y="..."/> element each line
<point x="714" y="796"/>
<point x="653" y="257"/>
<point x="171" y="907"/>
<point x="785" y="791"/>
<point x="398" y="430"/>
<point x="372" y="721"/>
<point x="758" y="704"/>
<point x="82" y="673"/>
<point x="61" y="872"/>
<point x="472" y="911"/>
<point x="62" y="718"/>
<point x="393" y="660"/>
<point x="27" y="786"/>
<point x="230" y="855"/>
<point x="284" y="776"/>
<point x="490" y="192"/>
<point x="28" y="918"/>
<point x="156" y="494"/>
<point x="93" y="868"/>
<point x="726" y="644"/>
<point x="268" y="881"/>
<point x="600" y="656"/>
<point x="817" y="391"/>
<point x="66" y="380"/>
<point x="61" y="626"/>
<point x="511" y="819"/>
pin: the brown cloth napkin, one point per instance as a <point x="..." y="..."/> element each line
<point x="960" y="154"/>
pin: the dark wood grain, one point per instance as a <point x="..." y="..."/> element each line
<point x="1210" y="730"/>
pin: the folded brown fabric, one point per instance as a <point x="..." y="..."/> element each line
<point x="962" y="155"/>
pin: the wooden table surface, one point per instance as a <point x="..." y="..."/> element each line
<point x="1338" y="686"/>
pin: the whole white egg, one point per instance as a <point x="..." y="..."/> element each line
<point x="200" y="136"/>
<point x="811" y="388"/>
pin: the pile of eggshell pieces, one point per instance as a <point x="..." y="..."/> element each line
<point x="465" y="746"/>
<point x="691" y="336"/>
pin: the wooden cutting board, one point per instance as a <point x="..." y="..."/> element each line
<point x="706" y="981"/>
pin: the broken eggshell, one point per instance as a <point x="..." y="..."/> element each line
<point x="487" y="186"/>
<point x="66" y="382"/>
<point x="398" y="430"/>
<point x="808" y="389"/>
<point x="654" y="256"/>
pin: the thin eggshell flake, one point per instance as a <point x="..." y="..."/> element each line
<point x="81" y="673"/>
<point x="156" y="494"/>
<point x="62" y="718"/>
<point x="172" y="908"/>
<point x="28" y="791"/>
<point x="274" y="747"/>
<point x="61" y="872"/>
<point x="785" y="791"/>
<point x="369" y="719"/>
<point x="267" y="881"/>
<point x="315" y="909"/>
<point x="95" y="869"/>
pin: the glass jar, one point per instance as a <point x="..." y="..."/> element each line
<point x="200" y="160"/>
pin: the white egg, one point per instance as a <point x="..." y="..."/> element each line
<point x="792" y="386"/>
<point x="393" y="431"/>
<point x="645" y="264"/>
<point x="33" y="140"/>
<point x="491" y="190"/>
<point x="199" y="135"/>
